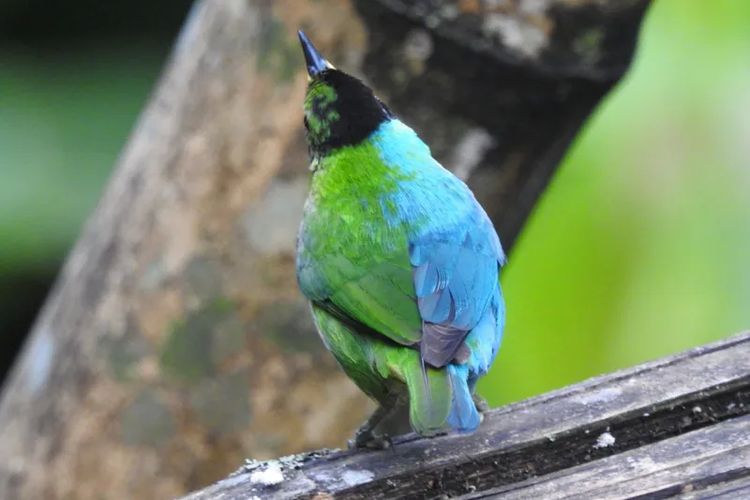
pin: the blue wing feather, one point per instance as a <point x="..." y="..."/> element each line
<point x="455" y="278"/>
<point x="453" y="247"/>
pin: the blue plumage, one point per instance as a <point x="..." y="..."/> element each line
<point x="463" y="415"/>
<point x="455" y="251"/>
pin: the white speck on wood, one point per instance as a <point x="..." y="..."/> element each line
<point x="604" y="440"/>
<point x="269" y="476"/>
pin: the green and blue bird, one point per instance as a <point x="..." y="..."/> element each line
<point x="398" y="259"/>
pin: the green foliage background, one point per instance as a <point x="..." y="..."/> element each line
<point x="638" y="249"/>
<point x="63" y="120"/>
<point x="641" y="245"/>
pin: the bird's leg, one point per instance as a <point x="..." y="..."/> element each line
<point x="365" y="436"/>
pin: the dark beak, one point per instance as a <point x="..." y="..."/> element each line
<point x="316" y="64"/>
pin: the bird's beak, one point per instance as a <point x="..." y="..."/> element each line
<point x="316" y="63"/>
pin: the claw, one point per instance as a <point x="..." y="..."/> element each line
<point x="370" y="442"/>
<point x="365" y="436"/>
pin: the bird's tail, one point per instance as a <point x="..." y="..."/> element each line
<point x="440" y="399"/>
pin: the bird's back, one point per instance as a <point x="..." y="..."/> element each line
<point x="375" y="212"/>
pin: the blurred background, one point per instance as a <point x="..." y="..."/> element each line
<point x="73" y="78"/>
<point x="638" y="249"/>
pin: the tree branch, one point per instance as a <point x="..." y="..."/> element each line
<point x="499" y="92"/>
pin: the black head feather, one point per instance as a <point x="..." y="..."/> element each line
<point x="340" y="111"/>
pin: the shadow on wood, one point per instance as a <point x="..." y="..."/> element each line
<point x="677" y="425"/>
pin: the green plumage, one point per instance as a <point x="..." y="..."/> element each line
<point x="365" y="263"/>
<point x="384" y="371"/>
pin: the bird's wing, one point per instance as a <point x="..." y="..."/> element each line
<point x="455" y="276"/>
<point x="374" y="297"/>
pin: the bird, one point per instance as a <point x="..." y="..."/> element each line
<point x="399" y="261"/>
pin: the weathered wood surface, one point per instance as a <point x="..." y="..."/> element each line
<point x="175" y="341"/>
<point x="695" y="464"/>
<point x="680" y="425"/>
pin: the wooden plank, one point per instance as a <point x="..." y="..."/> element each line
<point x="701" y="393"/>
<point x="689" y="463"/>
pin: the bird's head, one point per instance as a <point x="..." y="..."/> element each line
<point x="340" y="110"/>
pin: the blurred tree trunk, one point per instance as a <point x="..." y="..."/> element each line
<point x="175" y="342"/>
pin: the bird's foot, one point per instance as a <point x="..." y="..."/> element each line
<point x="480" y="403"/>
<point x="365" y="436"/>
<point x="370" y="441"/>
